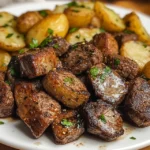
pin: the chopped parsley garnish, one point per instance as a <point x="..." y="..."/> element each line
<point x="132" y="138"/>
<point x="145" y="45"/>
<point x="73" y="30"/>
<point x="68" y="80"/>
<point x="34" y="43"/>
<point x="43" y="13"/>
<point x="75" y="10"/>
<point x="102" y="118"/>
<point x="128" y="31"/>
<point x="3" y="65"/>
<point x="107" y="71"/>
<point x="74" y="46"/>
<point x="1" y="122"/>
<point x="66" y="123"/>
<point x="1" y="16"/>
<point x="46" y="41"/>
<point x="102" y="30"/>
<point x="94" y="71"/>
<point x="21" y="51"/>
<point x="8" y="82"/>
<point x="72" y="4"/>
<point x="5" y="25"/>
<point x="116" y="62"/>
<point x="56" y="46"/>
<point x="77" y="36"/>
<point x="50" y="31"/>
<point x="12" y="71"/>
<point x="9" y="35"/>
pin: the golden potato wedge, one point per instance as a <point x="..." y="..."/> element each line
<point x="27" y="20"/>
<point x="4" y="60"/>
<point x="82" y="34"/>
<point x="137" y="51"/>
<point x="10" y="39"/>
<point x="95" y="22"/>
<point x="146" y="70"/>
<point x="78" y="16"/>
<point x="7" y="19"/>
<point x="110" y="20"/>
<point x="58" y="23"/>
<point x="134" y="24"/>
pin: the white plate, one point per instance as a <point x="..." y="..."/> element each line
<point x="17" y="135"/>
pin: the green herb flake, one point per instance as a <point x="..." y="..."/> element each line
<point x="75" y="10"/>
<point x="128" y="31"/>
<point x="94" y="71"/>
<point x="68" y="80"/>
<point x="12" y="71"/>
<point x="43" y="13"/>
<point x="107" y="70"/>
<point x="34" y="43"/>
<point x="66" y="123"/>
<point x="102" y="118"/>
<point x="102" y="30"/>
<point x="21" y="51"/>
<point x="5" y="25"/>
<point x="9" y="35"/>
<point x="73" y="30"/>
<point x="1" y="123"/>
<point x="116" y="62"/>
<point x="74" y="46"/>
<point x="72" y="4"/>
<point x="1" y="16"/>
<point x="145" y="45"/>
<point x="102" y="77"/>
<point x="132" y="138"/>
<point x="78" y="36"/>
<point x="45" y="42"/>
<point x="8" y="82"/>
<point x="56" y="46"/>
<point x="50" y="31"/>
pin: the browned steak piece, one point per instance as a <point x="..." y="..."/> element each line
<point x="6" y="100"/>
<point x="2" y="76"/>
<point x="107" y="84"/>
<point x="38" y="111"/>
<point x="124" y="66"/>
<point x="106" y="43"/>
<point x="103" y="120"/>
<point x="137" y="103"/>
<point x="81" y="57"/>
<point x="67" y="127"/>
<point x="59" y="44"/>
<point x="123" y="37"/>
<point x="66" y="88"/>
<point x="23" y="89"/>
<point x="37" y="62"/>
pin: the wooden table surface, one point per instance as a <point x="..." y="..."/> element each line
<point x="143" y="6"/>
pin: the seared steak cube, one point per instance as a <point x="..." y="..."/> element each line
<point x="137" y="103"/>
<point x="81" y="57"/>
<point x="124" y="66"/>
<point x="67" y="127"/>
<point x="66" y="88"/>
<point x="6" y="100"/>
<point x="37" y="62"/>
<point x="38" y="111"/>
<point x="103" y="120"/>
<point x="107" y="84"/>
<point x="106" y="43"/>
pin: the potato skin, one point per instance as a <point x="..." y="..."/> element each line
<point x="57" y="22"/>
<point x="146" y="70"/>
<point x="27" y="20"/>
<point x="79" y="17"/>
<point x="71" y="93"/>
<point x="134" y="24"/>
<point x="4" y="60"/>
<point x="109" y="19"/>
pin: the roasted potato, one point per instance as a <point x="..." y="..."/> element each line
<point x="7" y="19"/>
<point x="27" y="20"/>
<point x="58" y="23"/>
<point x="79" y="17"/>
<point x="134" y="24"/>
<point x="10" y="39"/>
<point x="95" y="22"/>
<point x="82" y="34"/>
<point x="110" y="20"/>
<point x="137" y="51"/>
<point x="146" y="70"/>
<point x="66" y="88"/>
<point x="4" y="60"/>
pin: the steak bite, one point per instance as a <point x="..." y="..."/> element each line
<point x="2" y="76"/>
<point x="38" y="111"/>
<point x="103" y="120"/>
<point x="107" y="84"/>
<point x="124" y="66"/>
<point x="59" y="44"/>
<point x="37" y="62"/>
<point x="137" y="103"/>
<point x="66" y="88"/>
<point x="67" y="127"/>
<point x="6" y="100"/>
<point x="106" y="43"/>
<point x="81" y="57"/>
